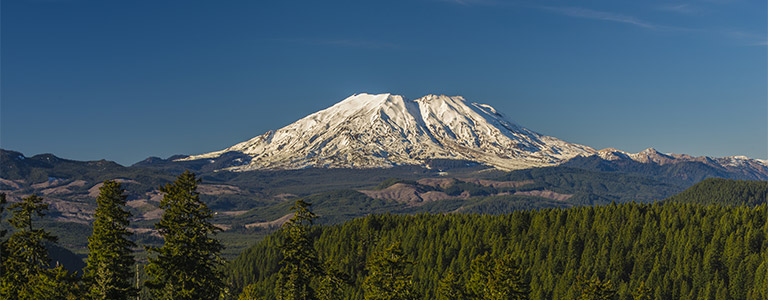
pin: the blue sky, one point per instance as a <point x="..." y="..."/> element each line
<point x="124" y="80"/>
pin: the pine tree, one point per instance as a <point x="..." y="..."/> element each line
<point x="25" y="273"/>
<point x="187" y="266"/>
<point x="331" y="284"/>
<point x="478" y="281"/>
<point x="300" y="262"/>
<point x="642" y="292"/>
<point x="507" y="280"/>
<point x="25" y="254"/>
<point x="110" y="258"/>
<point x="55" y="284"/>
<point x="249" y="293"/>
<point x="498" y="279"/>
<point x="387" y="277"/>
<point x="451" y="287"/>
<point x="595" y="289"/>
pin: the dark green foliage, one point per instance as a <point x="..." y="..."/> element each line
<point x="642" y="292"/>
<point x="331" y="284"/>
<point x="724" y="192"/>
<point x="300" y="262"/>
<point x="594" y="289"/>
<point x="54" y="284"/>
<point x="679" y="251"/>
<point x="25" y="254"/>
<point x="497" y="279"/>
<point x="24" y="268"/>
<point x="187" y="265"/>
<point x="592" y="187"/>
<point x="110" y="258"/>
<point x="388" y="277"/>
<point x="249" y="293"/>
<point x="451" y="287"/>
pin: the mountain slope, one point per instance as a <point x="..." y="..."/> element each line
<point x="724" y="192"/>
<point x="681" y="168"/>
<point x="374" y="131"/>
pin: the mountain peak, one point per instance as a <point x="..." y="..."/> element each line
<point x="384" y="130"/>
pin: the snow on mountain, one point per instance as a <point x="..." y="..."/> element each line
<point x="384" y="130"/>
<point x="733" y="164"/>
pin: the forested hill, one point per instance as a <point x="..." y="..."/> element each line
<point x="677" y="251"/>
<point x="724" y="192"/>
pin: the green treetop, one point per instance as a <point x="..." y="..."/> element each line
<point x="187" y="265"/>
<point x="300" y="262"/>
<point x="24" y="267"/>
<point x="110" y="257"/>
<point x="388" y="278"/>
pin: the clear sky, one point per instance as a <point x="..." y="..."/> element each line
<point x="124" y="80"/>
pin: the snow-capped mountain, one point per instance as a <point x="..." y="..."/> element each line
<point x="750" y="168"/>
<point x="384" y="130"/>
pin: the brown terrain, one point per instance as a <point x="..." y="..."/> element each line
<point x="413" y="195"/>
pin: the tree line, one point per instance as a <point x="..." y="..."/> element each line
<point x="617" y="251"/>
<point x="187" y="266"/>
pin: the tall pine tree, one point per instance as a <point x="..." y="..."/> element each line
<point x="25" y="264"/>
<point x="186" y="267"/>
<point x="388" y="278"/>
<point x="497" y="279"/>
<point x="26" y="256"/>
<point x="110" y="258"/>
<point x="300" y="262"/>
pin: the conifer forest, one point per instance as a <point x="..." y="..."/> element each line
<point x="709" y="242"/>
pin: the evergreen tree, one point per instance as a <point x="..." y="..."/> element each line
<point x="507" y="280"/>
<point x="331" y="284"/>
<point x="478" y="281"/>
<point x="25" y="273"/>
<point x="387" y="277"/>
<point x="110" y="258"/>
<point x="595" y="289"/>
<point x="498" y="279"/>
<point x="642" y="292"/>
<point x="187" y="265"/>
<point x="25" y="253"/>
<point x="451" y="287"/>
<point x="300" y="262"/>
<point x="55" y="284"/>
<point x="249" y="293"/>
